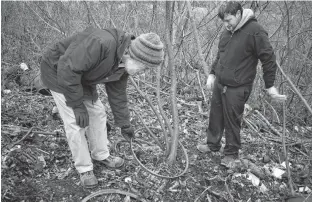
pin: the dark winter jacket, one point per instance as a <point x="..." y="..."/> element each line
<point x="76" y="64"/>
<point x="238" y="54"/>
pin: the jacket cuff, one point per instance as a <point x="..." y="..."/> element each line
<point x="122" y="124"/>
<point x="269" y="85"/>
<point x="75" y="103"/>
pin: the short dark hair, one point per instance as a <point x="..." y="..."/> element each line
<point x="230" y="7"/>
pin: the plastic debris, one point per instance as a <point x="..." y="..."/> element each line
<point x="284" y="164"/>
<point x="263" y="188"/>
<point x="128" y="180"/>
<point x="24" y="67"/>
<point x="6" y="91"/>
<point x="276" y="172"/>
<point x="305" y="190"/>
<point x="254" y="179"/>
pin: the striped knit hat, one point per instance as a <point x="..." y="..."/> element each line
<point x="147" y="49"/>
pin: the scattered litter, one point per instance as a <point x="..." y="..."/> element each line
<point x="305" y="190"/>
<point x="254" y="179"/>
<point x="6" y="91"/>
<point x="302" y="129"/>
<point x="263" y="188"/>
<point x="284" y="164"/>
<point x="24" y="67"/>
<point x="128" y="180"/>
<point x="276" y="172"/>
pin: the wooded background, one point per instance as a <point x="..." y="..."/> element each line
<point x="29" y="27"/>
<point x="36" y="167"/>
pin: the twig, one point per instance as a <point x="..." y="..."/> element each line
<point x="273" y="111"/>
<point x="149" y="131"/>
<point x="158" y="175"/>
<point x="202" y="194"/>
<point x="163" y="113"/>
<point x="268" y="123"/>
<point x="30" y="130"/>
<point x="178" y="99"/>
<point x="112" y="191"/>
<point x="197" y="42"/>
<point x="42" y="151"/>
<point x="201" y="87"/>
<point x="43" y="19"/>
<point x="307" y="198"/>
<point x="295" y="89"/>
<point x="228" y="191"/>
<point x="285" y="151"/>
<point x="149" y="102"/>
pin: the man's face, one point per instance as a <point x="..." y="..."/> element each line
<point x="231" y="21"/>
<point x="133" y="66"/>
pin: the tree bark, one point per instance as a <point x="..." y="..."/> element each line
<point x="173" y="90"/>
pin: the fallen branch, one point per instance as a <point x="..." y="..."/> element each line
<point x="158" y="175"/>
<point x="112" y="191"/>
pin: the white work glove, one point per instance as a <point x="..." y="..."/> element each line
<point x="273" y="92"/>
<point x="210" y="81"/>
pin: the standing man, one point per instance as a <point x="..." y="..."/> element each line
<point x="241" y="45"/>
<point x="73" y="67"/>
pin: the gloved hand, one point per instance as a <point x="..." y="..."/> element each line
<point x="210" y="81"/>
<point x="273" y="92"/>
<point x="127" y="132"/>
<point x="81" y="115"/>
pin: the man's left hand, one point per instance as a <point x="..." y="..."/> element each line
<point x="273" y="92"/>
<point x="127" y="132"/>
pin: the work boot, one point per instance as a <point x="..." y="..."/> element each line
<point x="230" y="160"/>
<point x="204" y="148"/>
<point x="113" y="162"/>
<point x="88" y="179"/>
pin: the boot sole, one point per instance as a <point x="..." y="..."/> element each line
<point x="112" y="167"/>
<point x="90" y="186"/>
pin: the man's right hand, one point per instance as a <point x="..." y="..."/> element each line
<point x="210" y="81"/>
<point x="81" y="115"/>
<point x="127" y="132"/>
<point x="273" y="92"/>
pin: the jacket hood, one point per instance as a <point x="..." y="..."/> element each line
<point x="123" y="40"/>
<point x="247" y="15"/>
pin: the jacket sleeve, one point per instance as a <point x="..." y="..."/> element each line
<point x="215" y="64"/>
<point x="267" y="57"/>
<point x="78" y="58"/>
<point x="117" y="98"/>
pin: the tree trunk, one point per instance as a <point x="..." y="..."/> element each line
<point x="175" y="135"/>
<point x="196" y="37"/>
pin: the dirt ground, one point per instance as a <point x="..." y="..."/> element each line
<point x="39" y="167"/>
